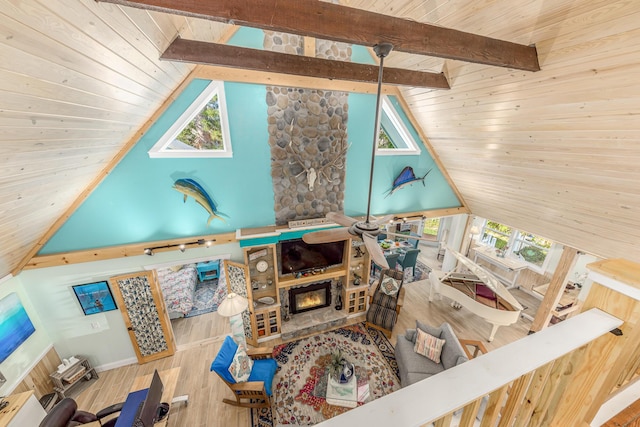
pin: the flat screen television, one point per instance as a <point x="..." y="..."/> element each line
<point x="298" y="256"/>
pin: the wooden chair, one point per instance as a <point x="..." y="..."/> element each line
<point x="478" y="348"/>
<point x="256" y="391"/>
<point x="384" y="309"/>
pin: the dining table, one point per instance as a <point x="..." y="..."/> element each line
<point x="391" y="247"/>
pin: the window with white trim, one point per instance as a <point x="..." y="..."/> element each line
<point x="393" y="136"/>
<point x="201" y="131"/>
<point x="528" y="247"/>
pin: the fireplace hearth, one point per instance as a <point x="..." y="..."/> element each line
<point x="310" y="297"/>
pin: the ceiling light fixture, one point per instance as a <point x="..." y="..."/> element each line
<point x="181" y="246"/>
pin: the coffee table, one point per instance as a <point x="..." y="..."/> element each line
<point x="348" y="394"/>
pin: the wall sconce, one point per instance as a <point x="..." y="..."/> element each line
<point x="181" y="246"/>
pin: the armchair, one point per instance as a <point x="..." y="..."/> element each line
<point x="256" y="391"/>
<point x="66" y="414"/>
<point x="385" y="301"/>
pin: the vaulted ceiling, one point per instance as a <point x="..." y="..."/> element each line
<point x="554" y="152"/>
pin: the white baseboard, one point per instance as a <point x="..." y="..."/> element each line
<point x="117" y="364"/>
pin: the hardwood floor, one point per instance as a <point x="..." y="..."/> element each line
<point x="201" y="337"/>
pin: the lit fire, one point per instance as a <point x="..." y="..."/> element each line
<point x="309" y="299"/>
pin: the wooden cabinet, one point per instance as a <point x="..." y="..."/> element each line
<point x="358" y="266"/>
<point x="356" y="299"/>
<point x="21" y="410"/>
<point x="267" y="322"/>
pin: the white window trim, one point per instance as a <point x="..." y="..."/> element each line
<point x="413" y="148"/>
<point x="159" y="149"/>
<point x="512" y="237"/>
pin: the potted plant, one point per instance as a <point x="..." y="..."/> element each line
<point x="340" y="369"/>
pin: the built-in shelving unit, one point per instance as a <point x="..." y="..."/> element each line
<point x="265" y="283"/>
<point x="264" y="299"/>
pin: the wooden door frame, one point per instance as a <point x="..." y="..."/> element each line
<point x="163" y="315"/>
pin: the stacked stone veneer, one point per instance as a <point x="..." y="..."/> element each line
<point x="315" y="123"/>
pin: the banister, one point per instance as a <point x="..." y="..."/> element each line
<point x="439" y="395"/>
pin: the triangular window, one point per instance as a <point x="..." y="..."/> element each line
<point x="201" y="131"/>
<point x="394" y="138"/>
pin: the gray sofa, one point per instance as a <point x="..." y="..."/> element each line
<point x="415" y="367"/>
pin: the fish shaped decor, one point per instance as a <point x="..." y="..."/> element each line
<point x="189" y="187"/>
<point x="406" y="177"/>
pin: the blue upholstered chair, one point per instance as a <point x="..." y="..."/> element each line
<point x="409" y="260"/>
<point x="392" y="260"/>
<point x="413" y="242"/>
<point x="256" y="391"/>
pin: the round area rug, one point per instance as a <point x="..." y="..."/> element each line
<point x="302" y="372"/>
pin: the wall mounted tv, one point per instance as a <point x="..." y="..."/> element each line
<point x="297" y="256"/>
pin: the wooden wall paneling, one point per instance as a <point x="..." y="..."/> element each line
<point x="38" y="378"/>
<point x="607" y="357"/>
<point x="549" y="391"/>
<point x="469" y="413"/>
<point x="494" y="406"/>
<point x="514" y="400"/>
<point x="540" y="378"/>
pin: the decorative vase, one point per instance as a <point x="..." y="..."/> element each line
<point x="347" y="372"/>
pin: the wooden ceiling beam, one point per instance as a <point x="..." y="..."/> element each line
<point x="266" y="61"/>
<point x="349" y="25"/>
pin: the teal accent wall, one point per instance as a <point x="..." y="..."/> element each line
<point x="136" y="202"/>
<point x="436" y="194"/>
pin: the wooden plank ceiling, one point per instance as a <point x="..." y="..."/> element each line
<point x="554" y="152"/>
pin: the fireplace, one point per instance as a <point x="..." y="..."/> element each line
<point x="310" y="297"/>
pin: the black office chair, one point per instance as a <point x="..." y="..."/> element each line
<point x="66" y="414"/>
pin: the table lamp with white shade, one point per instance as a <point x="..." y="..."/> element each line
<point x="232" y="307"/>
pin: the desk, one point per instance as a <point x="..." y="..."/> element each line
<point x="169" y="379"/>
<point x="23" y="410"/>
<point x="488" y="254"/>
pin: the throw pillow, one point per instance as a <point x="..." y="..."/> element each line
<point x="428" y="346"/>
<point x="431" y="330"/>
<point x="389" y="286"/>
<point x="241" y="365"/>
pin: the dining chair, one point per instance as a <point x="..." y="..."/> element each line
<point x="392" y="260"/>
<point x="414" y="242"/>
<point x="409" y="259"/>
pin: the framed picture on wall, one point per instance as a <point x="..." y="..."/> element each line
<point x="95" y="297"/>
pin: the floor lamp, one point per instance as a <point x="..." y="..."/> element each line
<point x="474" y="230"/>
<point x="232" y="307"/>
